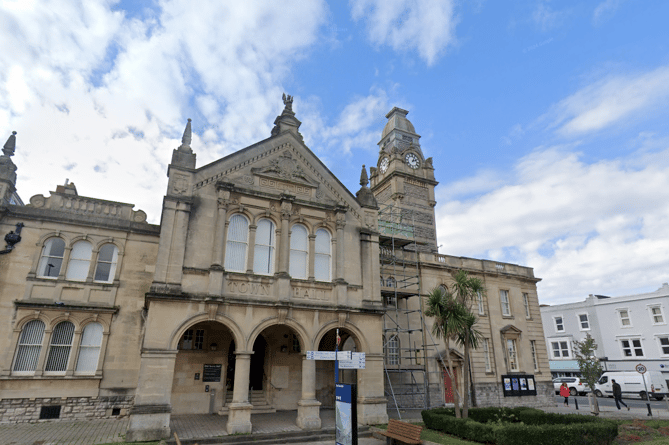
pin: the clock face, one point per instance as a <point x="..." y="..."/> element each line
<point x="412" y="160"/>
<point x="383" y="166"/>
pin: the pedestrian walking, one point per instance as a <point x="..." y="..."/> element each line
<point x="618" y="395"/>
<point x="564" y="392"/>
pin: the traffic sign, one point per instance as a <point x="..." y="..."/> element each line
<point x="328" y="355"/>
<point x="357" y="361"/>
<point x="640" y="368"/>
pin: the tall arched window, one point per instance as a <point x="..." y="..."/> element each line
<point x="299" y="252"/>
<point x="80" y="261"/>
<point x="52" y="258"/>
<point x="89" y="350"/>
<point x="263" y="256"/>
<point x="322" y="256"/>
<point x="105" y="268"/>
<point x="237" y="242"/>
<point x="61" y="344"/>
<point x="393" y="351"/>
<point x="29" y="347"/>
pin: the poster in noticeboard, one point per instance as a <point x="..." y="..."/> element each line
<point x="518" y="385"/>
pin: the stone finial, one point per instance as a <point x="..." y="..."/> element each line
<point x="10" y="145"/>
<point x="186" y="139"/>
<point x="288" y="102"/>
<point x="364" y="180"/>
<point x="365" y="196"/>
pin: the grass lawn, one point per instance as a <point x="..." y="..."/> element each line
<point x="643" y="431"/>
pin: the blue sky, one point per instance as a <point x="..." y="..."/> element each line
<point x="547" y="120"/>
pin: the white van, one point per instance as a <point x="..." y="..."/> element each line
<point x="632" y="384"/>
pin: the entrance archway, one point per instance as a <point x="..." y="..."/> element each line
<point x="325" y="389"/>
<point x="257" y="374"/>
<point x="201" y="370"/>
<point x="275" y="377"/>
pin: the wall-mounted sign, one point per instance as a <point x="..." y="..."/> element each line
<point x="518" y="385"/>
<point x="211" y="373"/>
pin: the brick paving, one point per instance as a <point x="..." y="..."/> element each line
<point x="79" y="432"/>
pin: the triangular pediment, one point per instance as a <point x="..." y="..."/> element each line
<point x="277" y="166"/>
<point x="510" y="329"/>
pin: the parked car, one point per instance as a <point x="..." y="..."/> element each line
<point x="575" y="384"/>
<point x="632" y="384"/>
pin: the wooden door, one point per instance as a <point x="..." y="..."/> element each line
<point x="448" y="386"/>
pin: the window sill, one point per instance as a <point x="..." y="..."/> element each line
<point x="50" y="377"/>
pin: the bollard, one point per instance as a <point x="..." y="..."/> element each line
<point x="576" y="402"/>
<point x="650" y="413"/>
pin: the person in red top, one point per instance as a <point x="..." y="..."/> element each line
<point x="564" y="392"/>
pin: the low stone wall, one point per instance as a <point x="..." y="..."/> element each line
<point x="72" y="408"/>
<point x="491" y="394"/>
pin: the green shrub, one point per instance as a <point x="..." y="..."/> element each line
<point x="600" y="433"/>
<point x="522" y="426"/>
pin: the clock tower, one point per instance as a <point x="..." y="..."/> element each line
<point x="404" y="179"/>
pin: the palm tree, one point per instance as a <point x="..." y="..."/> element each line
<point x="466" y="289"/>
<point x="469" y="337"/>
<point x="449" y="320"/>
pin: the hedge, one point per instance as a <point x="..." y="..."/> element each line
<point x="522" y="426"/>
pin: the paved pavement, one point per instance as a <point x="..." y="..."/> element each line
<point x="92" y="432"/>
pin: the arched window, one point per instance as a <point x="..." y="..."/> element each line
<point x="105" y="269"/>
<point x="237" y="242"/>
<point x="392" y="351"/>
<point x="80" y="261"/>
<point x="322" y="263"/>
<point x="61" y="344"/>
<point x="29" y="347"/>
<point x="299" y="252"/>
<point x="89" y="350"/>
<point x="263" y="256"/>
<point x="51" y="259"/>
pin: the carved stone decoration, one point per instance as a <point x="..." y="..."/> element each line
<point x="319" y="192"/>
<point x="286" y="168"/>
<point x="37" y="201"/>
<point x="281" y="316"/>
<point x="342" y="317"/>
<point x="248" y="179"/>
<point x="180" y="185"/>
<point x="140" y="216"/>
<point x="212" y="308"/>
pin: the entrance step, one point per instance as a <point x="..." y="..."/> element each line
<point x="257" y="399"/>
<point x="325" y="434"/>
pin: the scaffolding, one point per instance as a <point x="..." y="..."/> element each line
<point x="408" y="383"/>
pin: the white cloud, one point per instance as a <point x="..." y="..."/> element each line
<point x="358" y="125"/>
<point x="610" y="101"/>
<point x="599" y="228"/>
<point x="546" y="17"/>
<point x="424" y="26"/>
<point x="101" y="98"/>
<point x="605" y="10"/>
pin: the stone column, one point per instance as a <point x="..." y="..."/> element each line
<point x="341" y="223"/>
<point x="312" y="255"/>
<point x="372" y="404"/>
<point x="239" y="415"/>
<point x="284" y="243"/>
<point x="308" y="411"/>
<point x="150" y="416"/>
<point x="252" y="248"/>
<point x="219" y="233"/>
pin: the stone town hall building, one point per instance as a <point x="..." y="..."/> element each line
<point x="259" y="257"/>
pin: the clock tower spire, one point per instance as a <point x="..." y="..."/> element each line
<point x="404" y="179"/>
